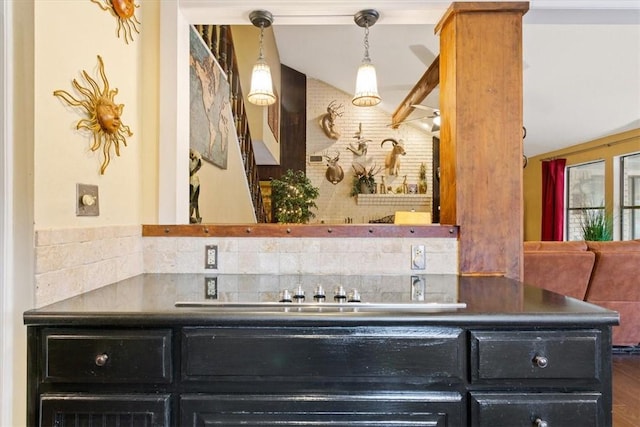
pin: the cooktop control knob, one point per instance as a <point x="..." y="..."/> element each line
<point x="298" y="294"/>
<point x="340" y="295"/>
<point x="285" y="295"/>
<point x="318" y="294"/>
<point x="354" y="296"/>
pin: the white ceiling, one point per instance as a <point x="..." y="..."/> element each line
<point x="581" y="58"/>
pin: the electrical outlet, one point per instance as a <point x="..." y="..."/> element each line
<point x="418" y="257"/>
<point x="417" y="288"/>
<point x="210" y="288"/>
<point x="211" y="257"/>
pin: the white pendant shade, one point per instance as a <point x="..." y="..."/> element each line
<point x="261" y="92"/>
<point x="366" y="86"/>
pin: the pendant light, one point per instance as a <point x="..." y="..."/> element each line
<point x="261" y="92"/>
<point x="366" y="82"/>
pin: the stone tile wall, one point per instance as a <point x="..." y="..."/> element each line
<point x="72" y="261"/>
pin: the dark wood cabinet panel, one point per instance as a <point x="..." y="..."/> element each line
<point x="414" y="355"/>
<point x="79" y="410"/>
<point x="535" y="355"/>
<point x="404" y="410"/>
<point x="107" y="356"/>
<point x="536" y="409"/>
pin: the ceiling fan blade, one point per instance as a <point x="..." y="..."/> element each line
<point x="423" y="107"/>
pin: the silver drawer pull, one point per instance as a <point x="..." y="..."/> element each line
<point x="540" y="423"/>
<point x="541" y="362"/>
<point x="101" y="359"/>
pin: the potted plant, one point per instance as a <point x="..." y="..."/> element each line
<point x="596" y="225"/>
<point x="293" y="196"/>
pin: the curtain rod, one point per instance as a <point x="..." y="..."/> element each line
<point x="584" y="150"/>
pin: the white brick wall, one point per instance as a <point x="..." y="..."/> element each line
<point x="334" y="203"/>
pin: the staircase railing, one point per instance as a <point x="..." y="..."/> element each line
<point x="219" y="40"/>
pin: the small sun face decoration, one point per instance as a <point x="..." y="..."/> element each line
<point x="104" y="114"/>
<point x="124" y="12"/>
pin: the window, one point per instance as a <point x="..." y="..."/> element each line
<point x="630" y="196"/>
<point x="585" y="196"/>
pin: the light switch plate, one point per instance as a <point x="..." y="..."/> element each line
<point x="87" y="200"/>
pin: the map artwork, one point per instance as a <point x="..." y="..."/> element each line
<point x="211" y="119"/>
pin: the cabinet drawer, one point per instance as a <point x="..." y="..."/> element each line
<point x="535" y="355"/>
<point x="523" y="409"/>
<point x="402" y="355"/>
<point x="381" y="409"/>
<point x="99" y="356"/>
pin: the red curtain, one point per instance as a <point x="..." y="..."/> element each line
<point x="553" y="199"/>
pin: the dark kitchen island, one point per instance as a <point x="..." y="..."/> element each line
<point x="417" y="350"/>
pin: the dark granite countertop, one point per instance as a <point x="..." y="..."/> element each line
<point x="150" y="299"/>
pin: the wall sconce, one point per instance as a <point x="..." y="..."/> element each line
<point x="366" y="82"/>
<point x="261" y="92"/>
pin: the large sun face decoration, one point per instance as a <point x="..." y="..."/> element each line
<point x="124" y="12"/>
<point x="104" y="114"/>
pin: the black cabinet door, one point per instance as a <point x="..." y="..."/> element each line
<point x="376" y="409"/>
<point x="75" y="410"/>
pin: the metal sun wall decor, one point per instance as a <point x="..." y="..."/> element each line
<point x="124" y="12"/>
<point x="104" y="114"/>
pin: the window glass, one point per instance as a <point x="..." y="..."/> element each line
<point x="585" y="197"/>
<point x="630" y="206"/>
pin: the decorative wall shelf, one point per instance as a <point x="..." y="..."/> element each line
<point x="404" y="200"/>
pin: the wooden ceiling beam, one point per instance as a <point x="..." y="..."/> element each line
<point x="427" y="83"/>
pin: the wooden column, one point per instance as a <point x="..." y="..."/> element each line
<point x="481" y="133"/>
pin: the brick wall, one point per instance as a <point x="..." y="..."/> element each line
<point x="335" y="203"/>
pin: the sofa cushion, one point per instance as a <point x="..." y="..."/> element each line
<point x="555" y="246"/>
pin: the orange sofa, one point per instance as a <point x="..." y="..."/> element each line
<point x="615" y="284"/>
<point x="603" y="273"/>
<point x="561" y="267"/>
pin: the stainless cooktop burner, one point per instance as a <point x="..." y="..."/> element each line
<point x="361" y="292"/>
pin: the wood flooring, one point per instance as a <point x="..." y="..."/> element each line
<point x="626" y="390"/>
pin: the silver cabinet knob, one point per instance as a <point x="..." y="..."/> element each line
<point x="540" y="423"/>
<point x="541" y="361"/>
<point x="102" y="359"/>
<point x="340" y="295"/>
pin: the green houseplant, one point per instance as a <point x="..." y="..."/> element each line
<point x="293" y="196"/>
<point x="596" y="225"/>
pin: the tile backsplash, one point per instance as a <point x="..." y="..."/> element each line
<point x="72" y="261"/>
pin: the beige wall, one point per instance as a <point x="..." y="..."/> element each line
<point x="63" y="47"/>
<point x="600" y="149"/>
<point x="246" y="42"/>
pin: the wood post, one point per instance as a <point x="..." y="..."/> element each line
<point x="481" y="133"/>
